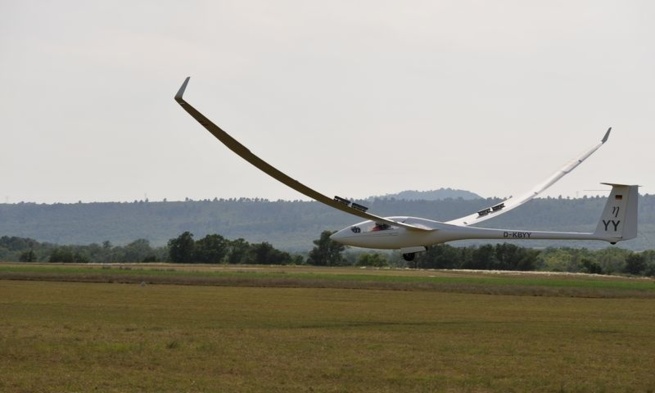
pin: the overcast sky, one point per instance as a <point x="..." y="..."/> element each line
<point x="353" y="98"/>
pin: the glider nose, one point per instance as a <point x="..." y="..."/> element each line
<point x="341" y="236"/>
<point x="337" y="236"/>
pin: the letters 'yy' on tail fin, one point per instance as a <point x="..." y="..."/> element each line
<point x="619" y="219"/>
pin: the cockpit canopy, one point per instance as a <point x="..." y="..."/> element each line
<point x="371" y="226"/>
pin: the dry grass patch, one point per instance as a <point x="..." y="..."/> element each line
<point x="168" y="338"/>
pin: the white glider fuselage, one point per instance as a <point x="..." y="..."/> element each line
<point x="365" y="235"/>
<point x="368" y="234"/>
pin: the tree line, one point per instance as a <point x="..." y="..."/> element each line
<point x="216" y="249"/>
<point x="506" y="256"/>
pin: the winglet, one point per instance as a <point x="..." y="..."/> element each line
<point x="180" y="93"/>
<point x="605" y="138"/>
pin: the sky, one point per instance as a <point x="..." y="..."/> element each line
<point x="352" y="98"/>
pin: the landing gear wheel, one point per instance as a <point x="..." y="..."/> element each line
<point x="409" y="256"/>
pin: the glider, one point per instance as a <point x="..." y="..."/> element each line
<point x="413" y="234"/>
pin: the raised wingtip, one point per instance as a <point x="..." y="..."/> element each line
<point x="605" y="138"/>
<point x="180" y="93"/>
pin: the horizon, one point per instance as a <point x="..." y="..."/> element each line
<point x="217" y="198"/>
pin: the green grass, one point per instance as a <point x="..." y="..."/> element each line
<point x="81" y="336"/>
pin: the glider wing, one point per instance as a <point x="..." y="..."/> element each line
<point x="336" y="202"/>
<point x="512" y="203"/>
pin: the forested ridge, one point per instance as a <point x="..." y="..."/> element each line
<point x="289" y="225"/>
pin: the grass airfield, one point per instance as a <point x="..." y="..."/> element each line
<point x="170" y="328"/>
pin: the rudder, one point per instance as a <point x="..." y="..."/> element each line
<point x="619" y="219"/>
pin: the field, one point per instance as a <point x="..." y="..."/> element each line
<point x="287" y="329"/>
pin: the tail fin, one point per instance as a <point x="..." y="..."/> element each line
<point x="619" y="219"/>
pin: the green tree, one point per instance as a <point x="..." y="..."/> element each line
<point x="372" y="259"/>
<point x="138" y="251"/>
<point x="327" y="252"/>
<point x="512" y="257"/>
<point x="237" y="251"/>
<point x="635" y="264"/>
<point x="590" y="266"/>
<point x="210" y="249"/>
<point x="483" y="257"/>
<point x="441" y="256"/>
<point x="611" y="259"/>
<point x="649" y="257"/>
<point x="67" y="254"/>
<point x="27" y="256"/>
<point x="180" y="249"/>
<point x="555" y="260"/>
<point x="265" y="254"/>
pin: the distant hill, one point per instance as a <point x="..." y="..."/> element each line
<point x="433" y="195"/>
<point x="287" y="225"/>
